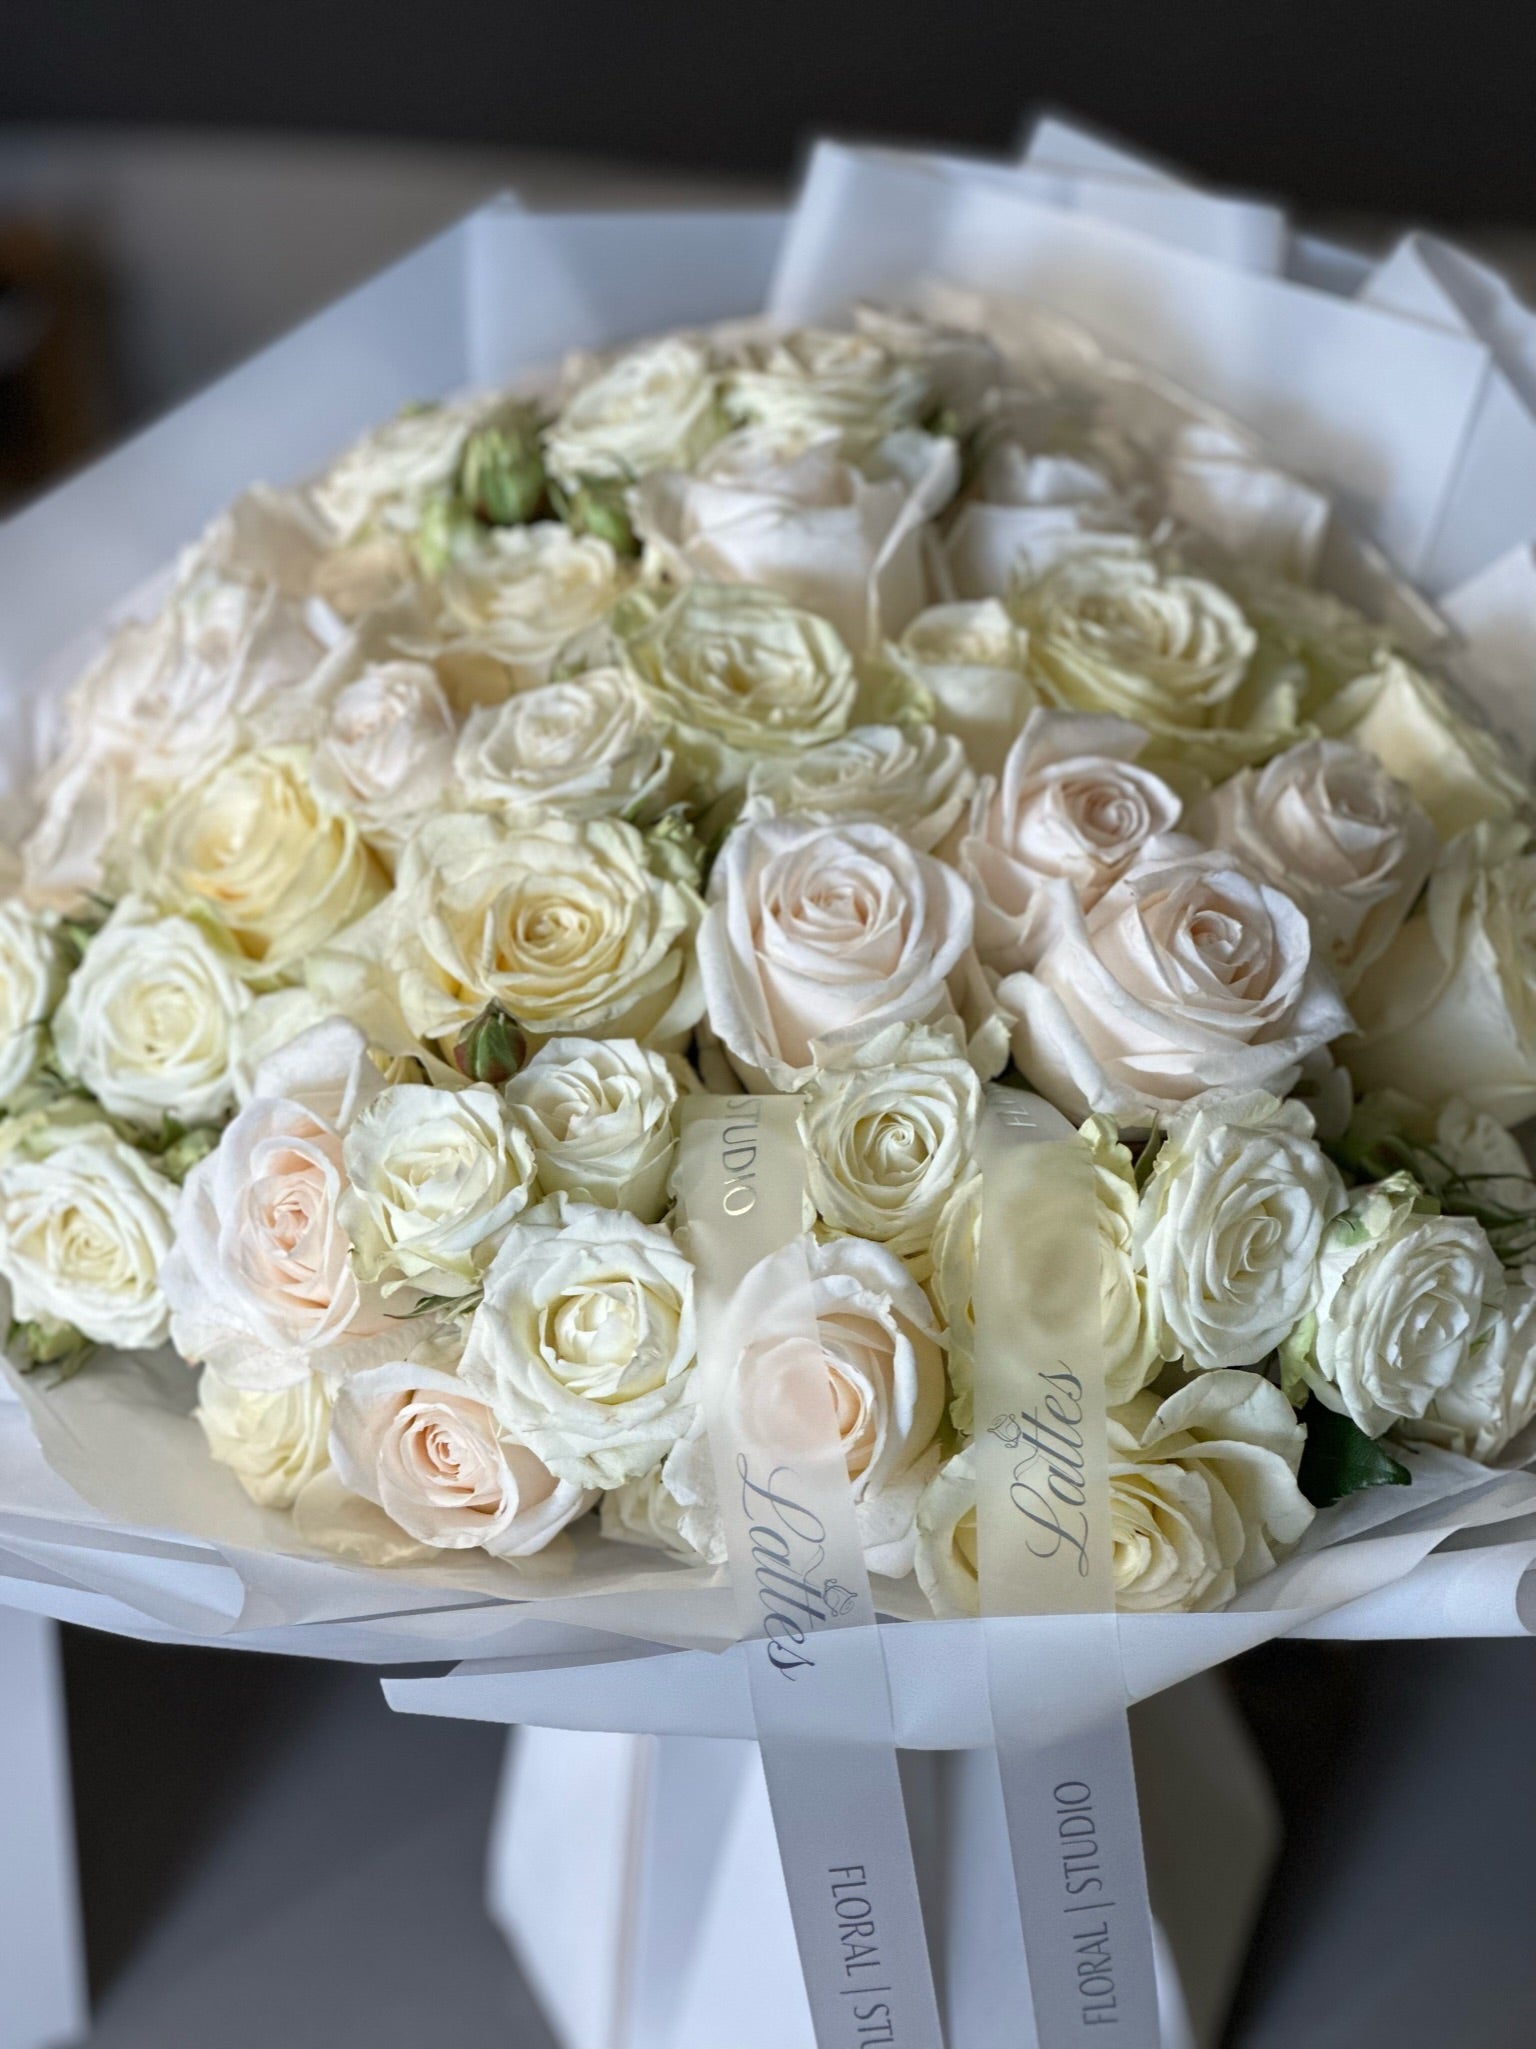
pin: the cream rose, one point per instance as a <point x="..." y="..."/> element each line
<point x="150" y="1017"/>
<point x="842" y="543"/>
<point x="1450" y="1008"/>
<point x="260" y="1282"/>
<point x="886" y="1370"/>
<point x="564" y="925"/>
<point x="1481" y="1415"/>
<point x="419" y="1444"/>
<point x="803" y="386"/>
<point x="952" y="1256"/>
<point x="655" y="407"/>
<point x="819" y="932"/>
<point x="1405" y="1311"/>
<point x="741" y="672"/>
<point x="274" y="1442"/>
<point x="523" y="595"/>
<point x="1325" y="823"/>
<point x="85" y="1222"/>
<point x="254" y="848"/>
<point x="1025" y="515"/>
<point x="587" y="747"/>
<point x="912" y="778"/>
<point x="644" y="1512"/>
<point x="1457" y="771"/>
<point x="385" y="750"/>
<point x="968" y="663"/>
<point x="389" y="476"/>
<point x="1072" y="805"/>
<point x="600" y="1115"/>
<point x="584" y="1342"/>
<point x="1230" y="1225"/>
<point x="1203" y="1499"/>
<point x="31" y="982"/>
<point x="889" y="1128"/>
<point x="434" y="1179"/>
<point x="1186" y="975"/>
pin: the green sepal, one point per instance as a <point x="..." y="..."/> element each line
<point x="1340" y="1459"/>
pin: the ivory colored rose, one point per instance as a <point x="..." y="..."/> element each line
<point x="260" y="1283"/>
<point x="1186" y="975"/>
<point x="656" y="407"/>
<point x="31" y="981"/>
<point x="435" y="1178"/>
<point x="1327" y="824"/>
<point x="803" y="386"/>
<point x="846" y="544"/>
<point x="886" y="1370"/>
<point x="952" y="1256"/>
<point x="584" y="1343"/>
<point x="418" y="1443"/>
<point x="968" y="663"/>
<point x="819" y="932"/>
<point x="257" y="850"/>
<point x="274" y="1442"/>
<point x="1457" y="771"/>
<point x="389" y="475"/>
<point x="600" y="1115"/>
<point x="1481" y="1415"/>
<point x="149" y="1019"/>
<point x="1026" y="514"/>
<point x="522" y="596"/>
<point x="1230" y="1225"/>
<point x="1203" y="1500"/>
<point x="1450" y="1008"/>
<point x="85" y="1222"/>
<point x="742" y="672"/>
<point x="564" y="925"/>
<point x="1405" y="1311"/>
<point x="644" y="1512"/>
<point x="1071" y="805"/>
<point x="385" y="751"/>
<point x="889" y="1127"/>
<point x="166" y="701"/>
<point x="586" y="747"/>
<point x="912" y="778"/>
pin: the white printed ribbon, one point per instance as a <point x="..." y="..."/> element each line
<point x="1044" y="1550"/>
<point x="816" y="1662"/>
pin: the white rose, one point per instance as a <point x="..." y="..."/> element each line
<point x="952" y="1285"/>
<point x="1230" y="1225"/>
<point x="914" y="779"/>
<point x="742" y="672"/>
<point x="819" y="932"/>
<point x="1479" y="1417"/>
<point x="149" y="1019"/>
<point x="646" y="1513"/>
<point x="1456" y="770"/>
<point x="1026" y="514"/>
<point x="1070" y="804"/>
<point x="1450" y="1008"/>
<point x="273" y="1441"/>
<point x="260" y="1282"/>
<point x="85" y="1222"/>
<point x="272" y="1020"/>
<point x="1405" y="1311"/>
<point x="886" y="1369"/>
<point x="889" y="1128"/>
<point x="1325" y="823"/>
<point x="419" y="1444"/>
<point x="435" y="1178"/>
<point x="1203" y="1498"/>
<point x="800" y="387"/>
<point x="584" y="1343"/>
<point x="255" y="848"/>
<point x="587" y="747"/>
<point x="563" y="925"/>
<point x="601" y="1117"/>
<point x="168" y="699"/>
<point x="656" y="407"/>
<point x="31" y="981"/>
<point x="968" y="663"/>
<point x="388" y="476"/>
<point x="1130" y="1327"/>
<point x="1186" y="975"/>
<point x="521" y="597"/>
<point x="842" y="543"/>
<point x="385" y="751"/>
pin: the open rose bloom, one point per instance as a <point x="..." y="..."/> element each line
<point x="901" y="703"/>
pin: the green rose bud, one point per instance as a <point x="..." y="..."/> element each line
<point x="42" y="1342"/>
<point x="491" y="1047"/>
<point x="501" y="477"/>
<point x="186" y="1149"/>
<point x="598" y="506"/>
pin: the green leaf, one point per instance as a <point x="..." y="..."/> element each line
<point x="1340" y="1459"/>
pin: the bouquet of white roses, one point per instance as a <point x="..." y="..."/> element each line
<point x="859" y="712"/>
